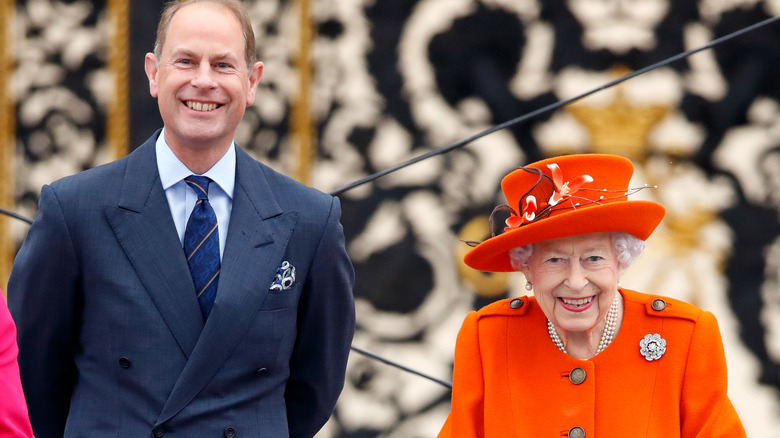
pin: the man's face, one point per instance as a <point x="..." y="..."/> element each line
<point x="201" y="82"/>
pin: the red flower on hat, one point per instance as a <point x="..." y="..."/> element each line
<point x="529" y="211"/>
<point x="528" y="215"/>
<point x="564" y="190"/>
<point x="513" y="222"/>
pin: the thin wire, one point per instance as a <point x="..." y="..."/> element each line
<point x="553" y="106"/>
<point x="16" y="216"/>
<point x="407" y="369"/>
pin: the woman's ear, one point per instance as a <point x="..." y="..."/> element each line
<point x="527" y="273"/>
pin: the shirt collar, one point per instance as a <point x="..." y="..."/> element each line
<point x="172" y="170"/>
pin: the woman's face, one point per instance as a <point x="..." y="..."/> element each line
<point x="574" y="279"/>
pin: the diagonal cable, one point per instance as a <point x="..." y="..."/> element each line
<point x="553" y="106"/>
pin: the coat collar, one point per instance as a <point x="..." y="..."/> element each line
<point x="142" y="223"/>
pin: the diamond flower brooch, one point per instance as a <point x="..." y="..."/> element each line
<point x="652" y="347"/>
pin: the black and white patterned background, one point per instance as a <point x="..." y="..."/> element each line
<point x="396" y="79"/>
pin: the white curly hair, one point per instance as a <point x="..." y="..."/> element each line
<point x="627" y="248"/>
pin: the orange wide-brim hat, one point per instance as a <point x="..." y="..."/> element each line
<point x="566" y="196"/>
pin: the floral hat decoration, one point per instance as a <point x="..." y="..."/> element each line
<point x="565" y="196"/>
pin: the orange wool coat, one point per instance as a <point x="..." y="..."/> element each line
<point x="511" y="381"/>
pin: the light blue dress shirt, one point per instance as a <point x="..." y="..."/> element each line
<point x="182" y="198"/>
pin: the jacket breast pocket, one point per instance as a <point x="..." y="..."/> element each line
<point x="281" y="299"/>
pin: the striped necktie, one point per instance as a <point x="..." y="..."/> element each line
<point x="201" y="245"/>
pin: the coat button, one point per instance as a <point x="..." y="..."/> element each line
<point x="230" y="432"/>
<point x="125" y="363"/>
<point x="577" y="376"/>
<point x="576" y="432"/>
<point x="516" y="303"/>
<point x="158" y="431"/>
<point x="658" y="304"/>
<point x="262" y="372"/>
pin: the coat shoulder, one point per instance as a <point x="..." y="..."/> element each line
<point x="518" y="306"/>
<point x="287" y="189"/>
<point x="108" y="178"/>
<point x="663" y="307"/>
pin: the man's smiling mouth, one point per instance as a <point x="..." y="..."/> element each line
<point x="199" y="106"/>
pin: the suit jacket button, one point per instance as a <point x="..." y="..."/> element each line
<point x="576" y="432"/>
<point x="658" y="304"/>
<point x="158" y="431"/>
<point x="230" y="432"/>
<point x="577" y="376"/>
<point x="125" y="363"/>
<point x="516" y="303"/>
<point x="262" y="372"/>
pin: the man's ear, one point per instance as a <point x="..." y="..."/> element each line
<point x="150" y="66"/>
<point x="254" y="79"/>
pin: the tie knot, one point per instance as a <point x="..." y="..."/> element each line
<point x="200" y="184"/>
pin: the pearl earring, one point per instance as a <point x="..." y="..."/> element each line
<point x="620" y="285"/>
<point x="528" y="286"/>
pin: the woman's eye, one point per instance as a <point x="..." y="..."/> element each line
<point x="594" y="259"/>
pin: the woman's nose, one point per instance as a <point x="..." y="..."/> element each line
<point x="577" y="278"/>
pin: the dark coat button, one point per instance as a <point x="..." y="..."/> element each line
<point x="230" y="432"/>
<point x="577" y="376"/>
<point x="658" y="304"/>
<point x="516" y="303"/>
<point x="158" y="431"/>
<point x="124" y="362"/>
<point x="262" y="372"/>
<point x="576" y="432"/>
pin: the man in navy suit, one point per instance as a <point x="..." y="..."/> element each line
<point x="114" y="339"/>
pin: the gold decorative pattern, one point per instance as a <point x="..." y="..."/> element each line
<point x="302" y="131"/>
<point x="620" y="128"/>
<point x="117" y="129"/>
<point x="7" y="138"/>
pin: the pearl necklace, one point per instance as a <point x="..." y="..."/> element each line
<point x="606" y="337"/>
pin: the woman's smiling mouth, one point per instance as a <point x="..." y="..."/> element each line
<point x="578" y="304"/>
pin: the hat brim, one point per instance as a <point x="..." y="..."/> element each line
<point x="638" y="218"/>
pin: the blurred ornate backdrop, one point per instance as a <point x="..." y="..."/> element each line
<point x="391" y="80"/>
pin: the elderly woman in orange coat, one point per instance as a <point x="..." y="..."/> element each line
<point x="583" y="356"/>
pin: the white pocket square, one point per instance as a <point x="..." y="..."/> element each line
<point x="285" y="277"/>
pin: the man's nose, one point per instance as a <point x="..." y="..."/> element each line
<point x="204" y="77"/>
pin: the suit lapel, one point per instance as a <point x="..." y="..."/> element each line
<point x="257" y="238"/>
<point x="143" y="225"/>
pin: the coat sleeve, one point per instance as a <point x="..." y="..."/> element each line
<point x="466" y="419"/>
<point x="42" y="297"/>
<point x="326" y="324"/>
<point x="706" y="410"/>
<point x="13" y="409"/>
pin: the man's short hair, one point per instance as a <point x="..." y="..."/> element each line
<point x="235" y="6"/>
